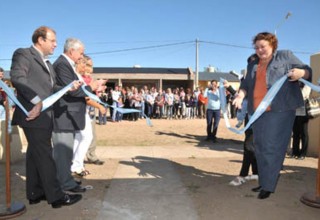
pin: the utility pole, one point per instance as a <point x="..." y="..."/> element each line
<point x="281" y="22"/>
<point x="197" y="64"/>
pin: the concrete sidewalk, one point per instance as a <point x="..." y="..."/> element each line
<point x="136" y="194"/>
<point x="146" y="185"/>
<point x="191" y="182"/>
<point x="177" y="182"/>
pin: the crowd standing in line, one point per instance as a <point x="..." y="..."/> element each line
<point x="171" y="103"/>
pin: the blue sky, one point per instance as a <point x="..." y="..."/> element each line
<point x="162" y="33"/>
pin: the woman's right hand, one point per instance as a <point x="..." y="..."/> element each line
<point x="238" y="99"/>
<point x="237" y="102"/>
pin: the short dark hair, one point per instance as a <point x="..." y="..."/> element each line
<point x="271" y="38"/>
<point x="1" y="69"/>
<point x="41" y="32"/>
<point x="214" y="81"/>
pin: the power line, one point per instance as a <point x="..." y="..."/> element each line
<point x="140" y="48"/>
<point x="172" y="44"/>
<point x="225" y="44"/>
<point x="245" y="47"/>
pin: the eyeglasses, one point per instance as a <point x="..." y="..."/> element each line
<point x="51" y="40"/>
<point x="261" y="47"/>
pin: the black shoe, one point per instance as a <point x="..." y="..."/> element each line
<point x="301" y="158"/>
<point x="256" y="189"/>
<point x="215" y="140"/>
<point x="37" y="200"/>
<point x="78" y="182"/>
<point x="208" y="139"/>
<point x="264" y="194"/>
<point x="67" y="199"/>
<point x="77" y="189"/>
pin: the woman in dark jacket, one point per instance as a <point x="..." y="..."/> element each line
<point x="272" y="130"/>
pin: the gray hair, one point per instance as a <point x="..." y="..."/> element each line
<point x="72" y="43"/>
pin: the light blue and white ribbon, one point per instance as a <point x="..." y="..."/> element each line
<point x="266" y="101"/>
<point x="312" y="86"/>
<point x="10" y="93"/>
<point x="12" y="96"/>
<point x="121" y="110"/>
<point x="49" y="101"/>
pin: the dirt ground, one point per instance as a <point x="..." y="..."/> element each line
<point x="206" y="179"/>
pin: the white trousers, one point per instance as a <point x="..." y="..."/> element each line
<point x="82" y="142"/>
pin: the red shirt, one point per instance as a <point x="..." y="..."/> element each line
<point x="260" y="89"/>
<point x="202" y="99"/>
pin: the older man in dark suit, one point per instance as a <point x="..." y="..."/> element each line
<point x="34" y="80"/>
<point x="69" y="112"/>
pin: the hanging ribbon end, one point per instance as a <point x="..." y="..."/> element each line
<point x="149" y="123"/>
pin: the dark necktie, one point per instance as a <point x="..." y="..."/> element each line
<point x="50" y="68"/>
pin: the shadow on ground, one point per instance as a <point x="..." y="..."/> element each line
<point x="154" y="186"/>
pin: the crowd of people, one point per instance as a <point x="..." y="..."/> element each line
<point x="177" y="103"/>
<point x="171" y="103"/>
<point x="62" y="137"/>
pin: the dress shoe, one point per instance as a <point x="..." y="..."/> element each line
<point x="264" y="194"/>
<point x="67" y="199"/>
<point x="215" y="140"/>
<point x="37" y="200"/>
<point x="256" y="189"/>
<point x="77" y="189"/>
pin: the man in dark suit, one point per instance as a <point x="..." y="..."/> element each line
<point x="34" y="80"/>
<point x="69" y="113"/>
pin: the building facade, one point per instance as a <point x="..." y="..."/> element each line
<point x="161" y="78"/>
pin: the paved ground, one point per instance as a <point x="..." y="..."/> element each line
<point x="187" y="179"/>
